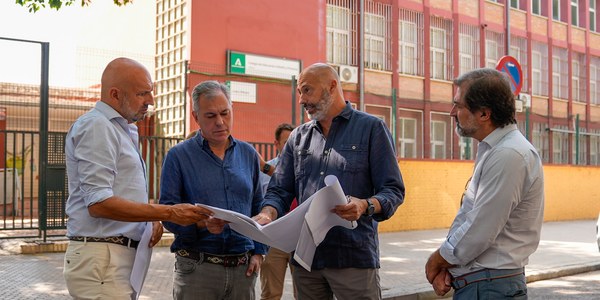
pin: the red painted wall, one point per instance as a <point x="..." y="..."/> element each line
<point x="285" y="28"/>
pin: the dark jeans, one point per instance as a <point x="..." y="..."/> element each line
<point x="503" y="288"/>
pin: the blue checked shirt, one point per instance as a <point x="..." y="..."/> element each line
<point x="360" y="152"/>
<point x="193" y="174"/>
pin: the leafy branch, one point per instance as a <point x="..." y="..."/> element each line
<point x="35" y="5"/>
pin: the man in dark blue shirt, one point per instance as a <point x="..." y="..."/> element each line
<point x="357" y="148"/>
<point x="213" y="168"/>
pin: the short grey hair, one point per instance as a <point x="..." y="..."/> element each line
<point x="208" y="89"/>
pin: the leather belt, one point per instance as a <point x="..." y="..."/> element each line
<point x="119" y="240"/>
<point x="485" y="274"/>
<point x="224" y="260"/>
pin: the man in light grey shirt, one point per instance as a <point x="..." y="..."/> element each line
<point x="108" y="200"/>
<point x="498" y="224"/>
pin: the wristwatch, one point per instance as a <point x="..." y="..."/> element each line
<point x="266" y="168"/>
<point x="370" y="208"/>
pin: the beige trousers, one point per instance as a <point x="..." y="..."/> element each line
<point x="98" y="270"/>
<point x="272" y="274"/>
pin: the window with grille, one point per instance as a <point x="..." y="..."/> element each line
<point x="556" y="10"/>
<point x="408" y="47"/>
<point x="410" y="43"/>
<point x="580" y="152"/>
<point x="468" y="45"/>
<point x="438" y="139"/>
<point x="560" y="146"/>
<point x="339" y="27"/>
<point x="593" y="15"/>
<point x="518" y="50"/>
<point x="539" y="68"/>
<point x="595" y="148"/>
<point x="375" y="41"/>
<point x="560" y="78"/>
<point x="575" y="12"/>
<point x="540" y="140"/>
<point x="408" y="137"/>
<point x="494" y="48"/>
<point x="578" y="78"/>
<point x="441" y="45"/>
<point x="594" y="93"/>
<point x="536" y="7"/>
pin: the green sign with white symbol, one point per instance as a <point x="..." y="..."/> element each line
<point x="239" y="63"/>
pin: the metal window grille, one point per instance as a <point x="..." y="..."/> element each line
<point x="440" y="48"/>
<point x="378" y="36"/>
<point x="518" y="49"/>
<point x="539" y="68"/>
<point x="594" y="75"/>
<point x="579" y="77"/>
<point x="468" y="48"/>
<point x="494" y="47"/>
<point x="339" y="26"/>
<point x="560" y="72"/>
<point x="410" y="43"/>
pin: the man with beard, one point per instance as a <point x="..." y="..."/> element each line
<point x="498" y="224"/>
<point x="108" y="199"/>
<point x="357" y="148"/>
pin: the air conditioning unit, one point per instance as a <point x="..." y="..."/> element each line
<point x="348" y="74"/>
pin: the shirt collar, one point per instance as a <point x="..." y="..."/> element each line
<point x="109" y="112"/>
<point x="346" y="114"/>
<point x="494" y="138"/>
<point x="204" y="143"/>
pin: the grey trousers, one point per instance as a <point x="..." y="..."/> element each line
<point x="347" y="283"/>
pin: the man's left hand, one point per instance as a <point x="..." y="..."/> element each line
<point x="157" y="232"/>
<point x="256" y="261"/>
<point x="352" y="210"/>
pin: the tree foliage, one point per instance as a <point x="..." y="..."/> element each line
<point x="35" y="5"/>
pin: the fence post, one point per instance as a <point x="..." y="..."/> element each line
<point x="44" y="106"/>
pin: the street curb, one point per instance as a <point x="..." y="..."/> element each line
<point x="428" y="294"/>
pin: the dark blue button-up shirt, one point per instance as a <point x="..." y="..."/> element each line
<point x="360" y="151"/>
<point x="193" y="174"/>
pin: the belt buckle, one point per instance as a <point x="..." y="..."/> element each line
<point x="458" y="283"/>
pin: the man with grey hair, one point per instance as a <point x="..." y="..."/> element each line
<point x="498" y="224"/>
<point x="213" y="168"/>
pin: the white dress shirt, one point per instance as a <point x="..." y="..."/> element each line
<point x="498" y="225"/>
<point x="102" y="160"/>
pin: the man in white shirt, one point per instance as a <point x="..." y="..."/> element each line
<point x="498" y="224"/>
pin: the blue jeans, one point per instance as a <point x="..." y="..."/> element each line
<point x="503" y="288"/>
<point x="197" y="280"/>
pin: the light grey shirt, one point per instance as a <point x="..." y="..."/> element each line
<point x="498" y="225"/>
<point x="102" y="157"/>
<point x="264" y="178"/>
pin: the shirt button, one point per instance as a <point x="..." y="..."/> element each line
<point x="322" y="173"/>
<point x="353" y="147"/>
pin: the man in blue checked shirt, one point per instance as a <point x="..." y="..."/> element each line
<point x="359" y="150"/>
<point x="213" y="168"/>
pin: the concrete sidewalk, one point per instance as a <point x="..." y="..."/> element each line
<point x="566" y="248"/>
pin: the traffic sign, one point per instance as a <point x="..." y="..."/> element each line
<point x="509" y="65"/>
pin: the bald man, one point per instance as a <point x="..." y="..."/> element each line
<point x="357" y="148"/>
<point x="108" y="200"/>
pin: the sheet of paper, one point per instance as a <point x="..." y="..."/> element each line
<point x="319" y="220"/>
<point x="142" y="261"/>
<point x="302" y="229"/>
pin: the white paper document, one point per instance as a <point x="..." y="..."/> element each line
<point x="302" y="229"/>
<point x="142" y="261"/>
